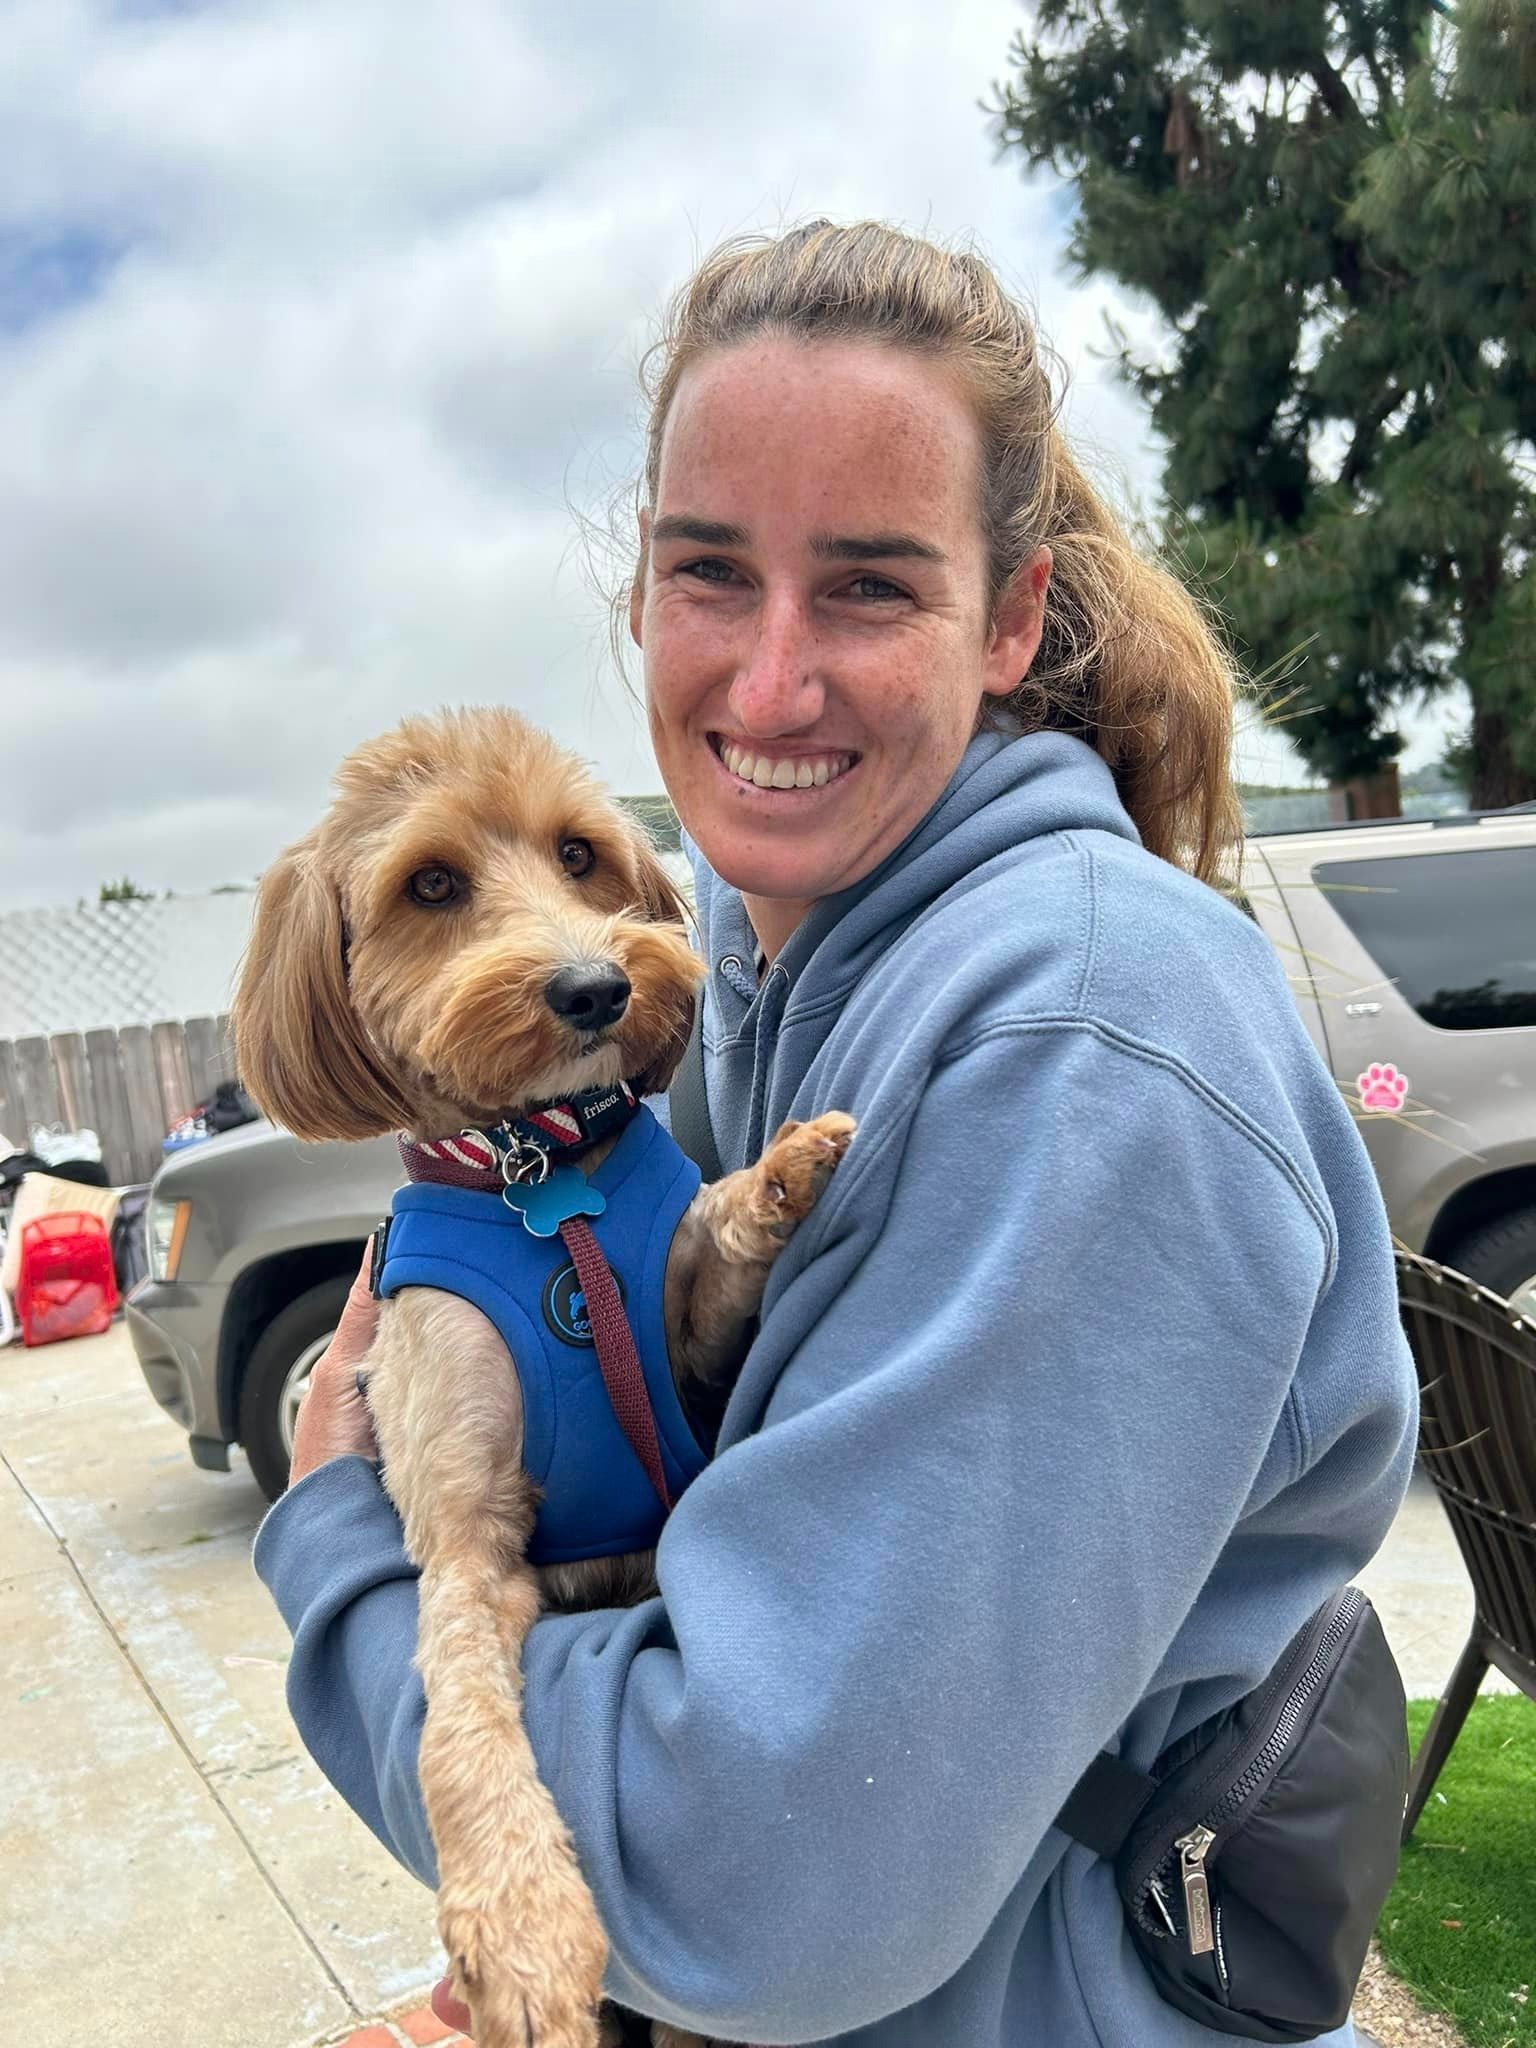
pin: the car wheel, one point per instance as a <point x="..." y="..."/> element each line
<point x="1502" y="1257"/>
<point x="277" y="1378"/>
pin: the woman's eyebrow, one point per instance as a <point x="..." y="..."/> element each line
<point x="826" y="547"/>
<point x="703" y="533"/>
<point x="873" y="547"/>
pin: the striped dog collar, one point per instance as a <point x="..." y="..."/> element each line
<point x="474" y="1159"/>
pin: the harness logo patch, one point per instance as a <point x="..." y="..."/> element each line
<point x="565" y="1306"/>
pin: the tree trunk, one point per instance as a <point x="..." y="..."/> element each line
<point x="1366" y="796"/>
<point x="1496" y="781"/>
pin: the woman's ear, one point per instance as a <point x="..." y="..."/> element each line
<point x="1017" y="624"/>
<point x="299" y="1045"/>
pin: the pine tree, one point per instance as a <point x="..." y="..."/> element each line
<point x="124" y="891"/>
<point x="1333" y="208"/>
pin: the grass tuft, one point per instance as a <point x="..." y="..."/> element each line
<point x="1460" y="1926"/>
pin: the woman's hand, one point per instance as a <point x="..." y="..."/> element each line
<point x="333" y="1419"/>
<point x="448" y="2008"/>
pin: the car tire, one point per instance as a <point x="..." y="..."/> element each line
<point x="1502" y="1257"/>
<point x="284" y="1353"/>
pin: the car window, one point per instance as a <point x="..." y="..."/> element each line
<point x="1455" y="931"/>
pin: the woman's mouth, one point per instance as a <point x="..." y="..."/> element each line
<point x="766" y="769"/>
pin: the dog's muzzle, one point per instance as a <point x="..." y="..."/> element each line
<point x="588" y="999"/>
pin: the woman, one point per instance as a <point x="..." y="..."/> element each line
<point x="1084" y="1385"/>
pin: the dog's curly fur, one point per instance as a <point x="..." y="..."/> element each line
<point x="362" y="1009"/>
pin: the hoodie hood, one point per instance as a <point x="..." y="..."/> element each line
<point x="1007" y="791"/>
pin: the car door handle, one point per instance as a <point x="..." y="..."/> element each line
<point x="1362" y="1009"/>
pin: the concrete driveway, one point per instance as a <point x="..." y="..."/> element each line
<point x="173" y="1869"/>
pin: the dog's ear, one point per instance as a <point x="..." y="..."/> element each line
<point x="685" y="971"/>
<point x="660" y="898"/>
<point x="680" y="969"/>
<point x="299" y="1045"/>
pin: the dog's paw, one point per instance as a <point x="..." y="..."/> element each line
<point x="539" y="1986"/>
<point x="795" y="1168"/>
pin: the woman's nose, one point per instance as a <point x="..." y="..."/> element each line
<point x="778" y="689"/>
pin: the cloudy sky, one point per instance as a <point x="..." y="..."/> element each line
<point x="318" y="328"/>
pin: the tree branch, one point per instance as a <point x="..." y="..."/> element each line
<point x="1368" y="427"/>
<point x="1384" y="99"/>
<point x="1335" y="93"/>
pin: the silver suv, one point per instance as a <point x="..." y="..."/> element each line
<point x="1411" y="949"/>
<point x="253" y="1243"/>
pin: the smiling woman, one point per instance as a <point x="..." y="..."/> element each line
<point x="1083" y="1388"/>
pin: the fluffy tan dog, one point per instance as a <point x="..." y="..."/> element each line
<point x="411" y="968"/>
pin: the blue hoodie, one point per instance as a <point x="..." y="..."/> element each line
<point x="1078" y="1392"/>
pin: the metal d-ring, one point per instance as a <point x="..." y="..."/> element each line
<point x="523" y="1163"/>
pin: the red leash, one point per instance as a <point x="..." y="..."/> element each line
<point x="616" y="1355"/>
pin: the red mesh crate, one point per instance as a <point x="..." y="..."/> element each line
<point x="67" y="1287"/>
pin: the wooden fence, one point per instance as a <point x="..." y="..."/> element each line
<point x="127" y="1086"/>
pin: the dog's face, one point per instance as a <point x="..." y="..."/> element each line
<point x="474" y="927"/>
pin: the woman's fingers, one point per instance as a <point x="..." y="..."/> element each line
<point x="359" y="1321"/>
<point x="448" y="2008"/>
<point x="333" y="1419"/>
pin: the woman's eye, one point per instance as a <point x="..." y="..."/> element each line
<point x="577" y="857"/>
<point x="433" y="886"/>
<point x="708" y="571"/>
<point x="876" y="589"/>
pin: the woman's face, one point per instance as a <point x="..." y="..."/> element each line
<point x="814" y="611"/>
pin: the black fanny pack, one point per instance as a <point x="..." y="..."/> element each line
<point x="1254" y="1861"/>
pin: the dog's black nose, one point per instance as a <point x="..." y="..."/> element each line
<point x="588" y="998"/>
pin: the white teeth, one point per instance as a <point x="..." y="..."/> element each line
<point x="765" y="773"/>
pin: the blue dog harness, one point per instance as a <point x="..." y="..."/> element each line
<point x="597" y="1497"/>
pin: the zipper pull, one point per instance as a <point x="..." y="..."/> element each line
<point x="1197" y="1891"/>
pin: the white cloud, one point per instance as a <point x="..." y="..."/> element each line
<point x="373" y="284"/>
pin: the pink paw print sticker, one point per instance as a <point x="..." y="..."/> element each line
<point x="1382" y="1087"/>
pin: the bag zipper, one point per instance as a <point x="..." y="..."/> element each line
<point x="1188" y="1851"/>
<point x="1197" y="1889"/>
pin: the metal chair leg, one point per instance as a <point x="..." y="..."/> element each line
<point x="1445" y="1726"/>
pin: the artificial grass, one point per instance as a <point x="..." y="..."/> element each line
<point x="1460" y="1926"/>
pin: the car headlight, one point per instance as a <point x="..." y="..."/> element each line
<point x="167" y="1233"/>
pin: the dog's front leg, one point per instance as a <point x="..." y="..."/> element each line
<point x="730" y="1236"/>
<point x="524" y="1944"/>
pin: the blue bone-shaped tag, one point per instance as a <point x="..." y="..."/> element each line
<point x="544" y="1205"/>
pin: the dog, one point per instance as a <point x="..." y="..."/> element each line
<point x="473" y="930"/>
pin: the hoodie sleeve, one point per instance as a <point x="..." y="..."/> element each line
<point x="1037" y="1370"/>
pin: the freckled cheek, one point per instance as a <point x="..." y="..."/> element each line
<point x="683" y="668"/>
<point x="899" y="708"/>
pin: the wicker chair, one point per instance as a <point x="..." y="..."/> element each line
<point x="1476" y="1362"/>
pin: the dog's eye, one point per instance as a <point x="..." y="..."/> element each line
<point x="577" y="857"/>
<point x="433" y="886"/>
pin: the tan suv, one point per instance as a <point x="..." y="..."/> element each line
<point x="1412" y="952"/>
